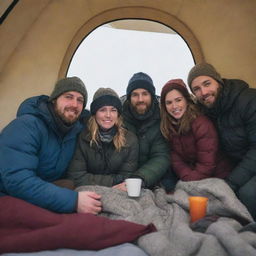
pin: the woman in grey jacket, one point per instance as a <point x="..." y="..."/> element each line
<point x="106" y="153"/>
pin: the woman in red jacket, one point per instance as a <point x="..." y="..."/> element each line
<point x="195" y="153"/>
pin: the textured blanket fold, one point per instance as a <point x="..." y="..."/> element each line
<point x="169" y="213"/>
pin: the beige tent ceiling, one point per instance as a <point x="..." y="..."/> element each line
<point x="38" y="38"/>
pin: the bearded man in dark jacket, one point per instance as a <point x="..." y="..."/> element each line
<point x="231" y="104"/>
<point x="142" y="116"/>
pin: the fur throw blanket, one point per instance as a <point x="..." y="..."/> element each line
<point x="228" y="228"/>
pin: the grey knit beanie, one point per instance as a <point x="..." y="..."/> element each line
<point x="105" y="97"/>
<point x="69" y="84"/>
<point x="203" y="69"/>
<point x="140" y="80"/>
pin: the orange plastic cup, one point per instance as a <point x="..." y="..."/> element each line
<point x="197" y="207"/>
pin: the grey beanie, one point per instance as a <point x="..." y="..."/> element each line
<point x="105" y="97"/>
<point x="203" y="69"/>
<point x="69" y="84"/>
<point x="140" y="80"/>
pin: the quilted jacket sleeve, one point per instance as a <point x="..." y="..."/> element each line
<point x="19" y="161"/>
<point x="129" y="166"/>
<point x="244" y="139"/>
<point x="158" y="162"/>
<point x="206" y="146"/>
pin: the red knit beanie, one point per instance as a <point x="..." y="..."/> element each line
<point x="176" y="84"/>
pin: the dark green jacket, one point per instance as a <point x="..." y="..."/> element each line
<point x="154" y="156"/>
<point x="234" y="114"/>
<point x="101" y="164"/>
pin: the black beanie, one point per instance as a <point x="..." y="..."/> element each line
<point x="203" y="69"/>
<point x="105" y="97"/>
<point x="140" y="80"/>
<point x="69" y="84"/>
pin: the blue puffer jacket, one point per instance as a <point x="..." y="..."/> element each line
<point x="32" y="155"/>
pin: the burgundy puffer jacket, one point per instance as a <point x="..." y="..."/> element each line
<point x="196" y="155"/>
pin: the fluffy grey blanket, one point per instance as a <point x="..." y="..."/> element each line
<point x="169" y="212"/>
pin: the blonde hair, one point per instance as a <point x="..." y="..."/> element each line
<point x="170" y="126"/>
<point x="119" y="139"/>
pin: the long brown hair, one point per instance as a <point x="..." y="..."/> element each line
<point x="170" y="126"/>
<point x="119" y="139"/>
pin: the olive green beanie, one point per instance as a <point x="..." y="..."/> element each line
<point x="69" y="84"/>
<point x="203" y="69"/>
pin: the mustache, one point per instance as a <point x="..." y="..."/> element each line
<point x="206" y="96"/>
<point x="74" y="109"/>
<point x="140" y="103"/>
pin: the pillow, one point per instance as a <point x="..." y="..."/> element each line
<point x="29" y="228"/>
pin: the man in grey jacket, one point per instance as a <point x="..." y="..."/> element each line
<point x="231" y="104"/>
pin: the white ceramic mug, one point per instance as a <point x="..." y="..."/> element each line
<point x="133" y="186"/>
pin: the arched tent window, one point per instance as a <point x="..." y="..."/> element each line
<point x="113" y="52"/>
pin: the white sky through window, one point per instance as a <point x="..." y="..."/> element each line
<point x="108" y="57"/>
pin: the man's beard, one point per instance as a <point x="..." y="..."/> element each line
<point x="215" y="95"/>
<point x="66" y="119"/>
<point x="141" y="111"/>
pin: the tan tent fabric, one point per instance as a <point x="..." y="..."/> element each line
<point x="38" y="38"/>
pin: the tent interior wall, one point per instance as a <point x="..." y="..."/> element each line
<point x="39" y="38"/>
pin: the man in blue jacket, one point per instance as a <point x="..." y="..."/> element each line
<point x="36" y="147"/>
<point x="231" y="104"/>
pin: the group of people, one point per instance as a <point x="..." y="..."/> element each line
<point x="55" y="144"/>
